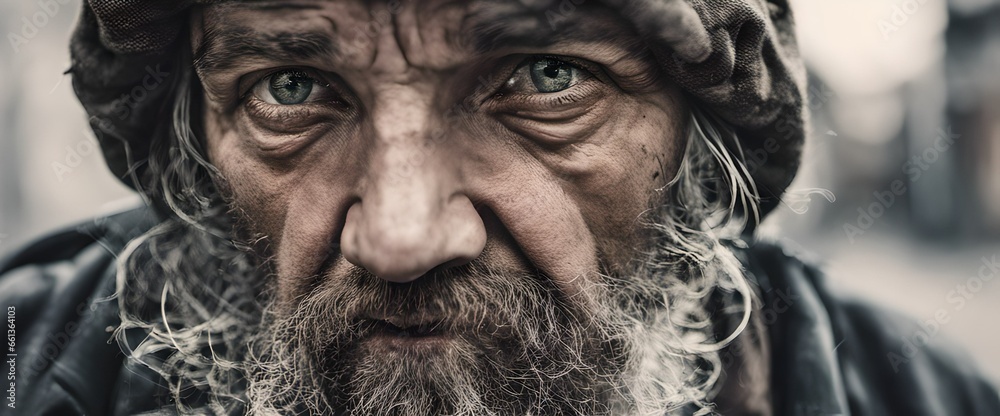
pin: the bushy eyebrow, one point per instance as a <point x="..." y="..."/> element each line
<point x="493" y="26"/>
<point x="512" y="24"/>
<point x="224" y="48"/>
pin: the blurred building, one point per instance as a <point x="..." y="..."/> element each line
<point x="973" y="85"/>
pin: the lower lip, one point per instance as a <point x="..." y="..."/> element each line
<point x="393" y="341"/>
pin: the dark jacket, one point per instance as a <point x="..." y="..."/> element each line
<point x="830" y="356"/>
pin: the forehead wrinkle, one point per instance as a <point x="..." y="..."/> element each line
<point x="427" y="34"/>
<point x="277" y="5"/>
<point x="222" y="48"/>
<point x="495" y="25"/>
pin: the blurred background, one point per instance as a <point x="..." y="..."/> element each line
<point x="899" y="195"/>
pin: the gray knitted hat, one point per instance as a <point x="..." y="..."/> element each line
<point x="736" y="58"/>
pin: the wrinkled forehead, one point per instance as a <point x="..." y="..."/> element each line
<point x="431" y="33"/>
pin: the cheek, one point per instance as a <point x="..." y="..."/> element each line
<point x="295" y="209"/>
<point x="569" y="208"/>
<point x="616" y="201"/>
<point x="617" y="175"/>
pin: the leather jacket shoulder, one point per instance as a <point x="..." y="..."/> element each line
<point x="58" y="291"/>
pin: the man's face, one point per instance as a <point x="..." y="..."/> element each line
<point x="425" y="173"/>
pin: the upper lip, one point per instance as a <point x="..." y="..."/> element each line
<point x="409" y="321"/>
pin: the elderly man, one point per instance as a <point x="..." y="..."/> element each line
<point x="450" y="207"/>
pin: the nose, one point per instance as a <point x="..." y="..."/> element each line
<point x="412" y="215"/>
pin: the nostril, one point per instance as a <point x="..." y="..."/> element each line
<point x="402" y="243"/>
<point x="397" y="275"/>
<point x="455" y="262"/>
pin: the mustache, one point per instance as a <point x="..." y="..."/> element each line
<point x="471" y="300"/>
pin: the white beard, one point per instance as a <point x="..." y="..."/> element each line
<point x="629" y="358"/>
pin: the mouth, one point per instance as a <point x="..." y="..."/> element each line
<point x="407" y="333"/>
<point x="425" y="329"/>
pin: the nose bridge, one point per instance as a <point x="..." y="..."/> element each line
<point x="401" y="113"/>
<point x="403" y="183"/>
<point x="412" y="215"/>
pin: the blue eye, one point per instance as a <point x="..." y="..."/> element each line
<point x="551" y="75"/>
<point x="290" y="87"/>
<point x="545" y="75"/>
